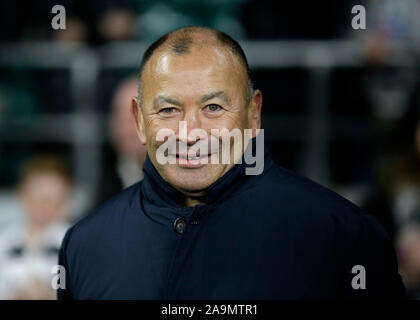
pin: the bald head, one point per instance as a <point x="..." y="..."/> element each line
<point x="183" y="41"/>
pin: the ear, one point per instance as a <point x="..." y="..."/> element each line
<point x="254" y="112"/>
<point x="138" y="119"/>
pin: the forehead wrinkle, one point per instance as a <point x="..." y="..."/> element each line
<point x="166" y="65"/>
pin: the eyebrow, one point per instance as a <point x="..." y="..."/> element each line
<point x="217" y="94"/>
<point x="160" y="99"/>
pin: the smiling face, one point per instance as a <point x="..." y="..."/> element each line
<point x="206" y="88"/>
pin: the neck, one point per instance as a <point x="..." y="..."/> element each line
<point x="36" y="227"/>
<point x="193" y="201"/>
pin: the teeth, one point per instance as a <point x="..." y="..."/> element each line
<point x="191" y="157"/>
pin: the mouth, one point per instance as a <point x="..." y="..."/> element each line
<point x="192" y="162"/>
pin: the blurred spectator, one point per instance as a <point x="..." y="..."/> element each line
<point x="158" y="17"/>
<point x="390" y="21"/>
<point x="269" y="19"/>
<point x="76" y="31"/>
<point x="398" y="190"/>
<point x="395" y="201"/>
<point x="29" y="250"/>
<point x="117" y="24"/>
<point x="110" y="20"/>
<point x="408" y="246"/>
<point x="92" y="21"/>
<point x="126" y="168"/>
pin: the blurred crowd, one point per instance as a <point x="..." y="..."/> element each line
<point x="29" y="248"/>
<point x="384" y="165"/>
<point x="98" y="22"/>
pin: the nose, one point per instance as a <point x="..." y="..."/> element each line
<point x="189" y="122"/>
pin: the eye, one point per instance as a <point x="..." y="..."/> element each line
<point x="167" y="112"/>
<point x="213" y="107"/>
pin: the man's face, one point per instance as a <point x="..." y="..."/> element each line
<point x="206" y="89"/>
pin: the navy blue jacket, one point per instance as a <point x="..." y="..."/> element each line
<point x="271" y="236"/>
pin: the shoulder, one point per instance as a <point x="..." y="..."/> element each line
<point x="315" y="213"/>
<point x="308" y="203"/>
<point x="107" y="216"/>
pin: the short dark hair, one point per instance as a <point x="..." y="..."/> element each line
<point x="182" y="43"/>
<point x="45" y="164"/>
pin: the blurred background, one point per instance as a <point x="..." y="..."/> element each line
<point x="341" y="106"/>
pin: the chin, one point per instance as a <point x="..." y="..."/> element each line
<point x="193" y="179"/>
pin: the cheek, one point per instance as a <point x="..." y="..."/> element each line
<point x="229" y="120"/>
<point x="154" y="126"/>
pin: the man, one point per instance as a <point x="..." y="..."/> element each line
<point x="200" y="229"/>
<point x="122" y="165"/>
<point x="130" y="153"/>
